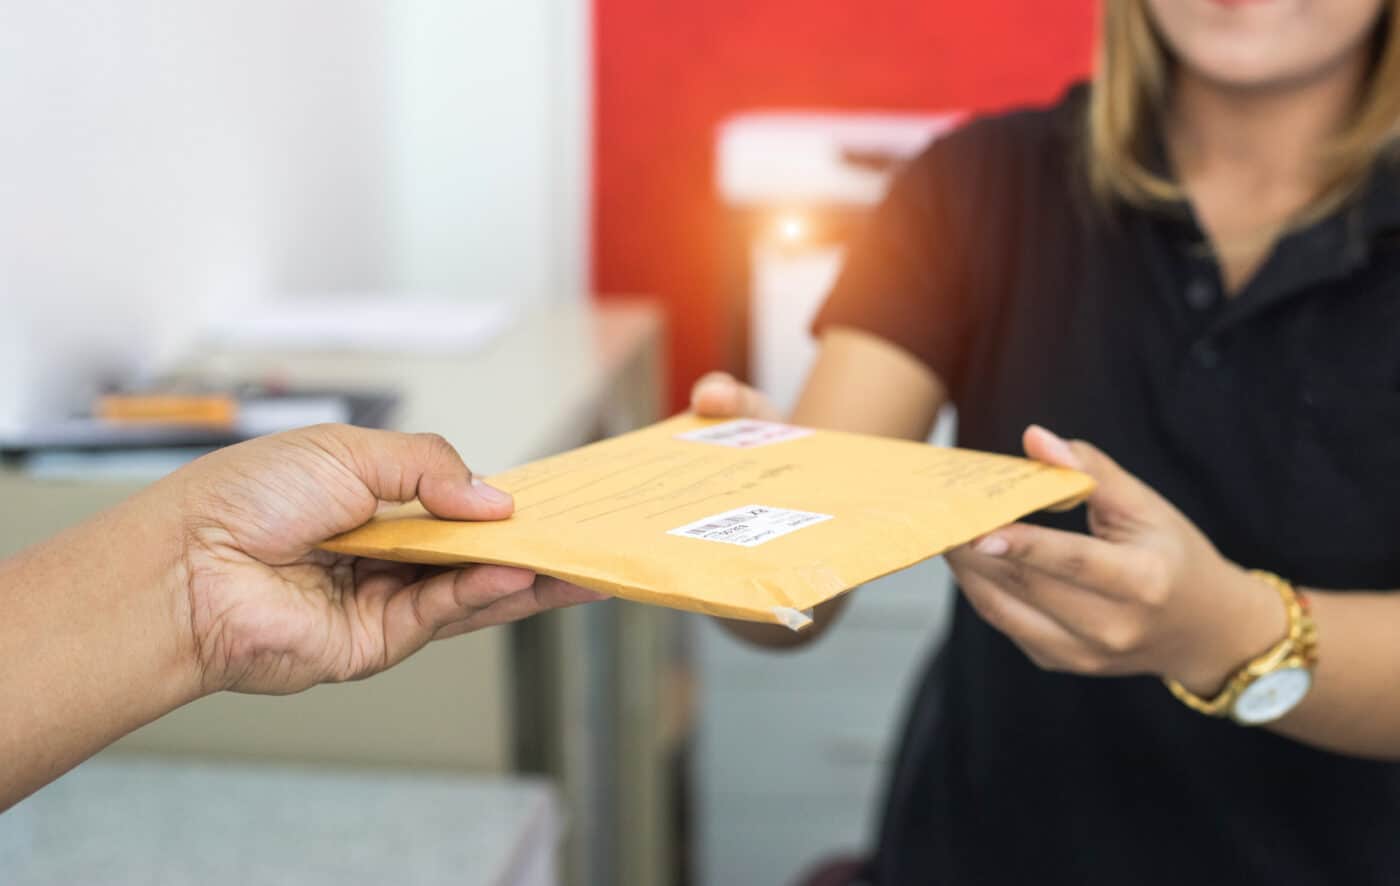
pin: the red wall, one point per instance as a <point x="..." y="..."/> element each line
<point x="667" y="71"/>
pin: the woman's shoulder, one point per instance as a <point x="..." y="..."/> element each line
<point x="1014" y="148"/>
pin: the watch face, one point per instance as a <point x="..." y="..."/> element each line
<point x="1273" y="695"/>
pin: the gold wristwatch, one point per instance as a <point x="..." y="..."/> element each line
<point x="1273" y="684"/>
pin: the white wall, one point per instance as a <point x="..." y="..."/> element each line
<point x="161" y="159"/>
<point x="489" y="146"/>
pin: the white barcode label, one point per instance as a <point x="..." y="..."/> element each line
<point x="746" y="433"/>
<point x="749" y="526"/>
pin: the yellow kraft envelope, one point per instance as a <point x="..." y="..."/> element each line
<point x="743" y="519"/>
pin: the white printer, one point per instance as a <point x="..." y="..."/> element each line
<point x="796" y="186"/>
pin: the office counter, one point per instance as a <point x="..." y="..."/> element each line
<point x="127" y="820"/>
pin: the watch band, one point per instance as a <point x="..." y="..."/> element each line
<point x="1298" y="647"/>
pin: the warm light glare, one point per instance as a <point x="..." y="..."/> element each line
<point x="792" y="228"/>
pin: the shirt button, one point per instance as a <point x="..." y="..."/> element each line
<point x="1206" y="355"/>
<point x="1200" y="294"/>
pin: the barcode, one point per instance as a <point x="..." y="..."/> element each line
<point x="730" y="430"/>
<point x="746" y="433"/>
<point x="749" y="526"/>
<point x="726" y="522"/>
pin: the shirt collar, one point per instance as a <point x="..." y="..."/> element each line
<point x="1327" y="249"/>
<point x="1380" y="196"/>
<point x="1376" y="204"/>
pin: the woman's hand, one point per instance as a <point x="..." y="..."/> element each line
<point x="720" y="395"/>
<point x="1146" y="593"/>
<point x="269" y="613"/>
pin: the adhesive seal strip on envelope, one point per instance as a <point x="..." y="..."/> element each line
<point x="742" y="519"/>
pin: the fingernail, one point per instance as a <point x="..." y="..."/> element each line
<point x="1059" y="447"/>
<point x="992" y="545"/>
<point x="490" y="494"/>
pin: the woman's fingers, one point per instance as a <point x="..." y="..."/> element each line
<point x="1047" y="642"/>
<point x="1112" y="622"/>
<point x="1121" y="505"/>
<point x="716" y="395"/>
<point x="720" y="395"/>
<point x="1115" y="571"/>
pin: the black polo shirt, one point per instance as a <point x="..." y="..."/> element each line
<point x="1271" y="418"/>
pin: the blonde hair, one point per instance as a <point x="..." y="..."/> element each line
<point x="1129" y="96"/>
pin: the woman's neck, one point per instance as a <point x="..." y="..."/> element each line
<point x="1267" y="135"/>
<point x="1249" y="159"/>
